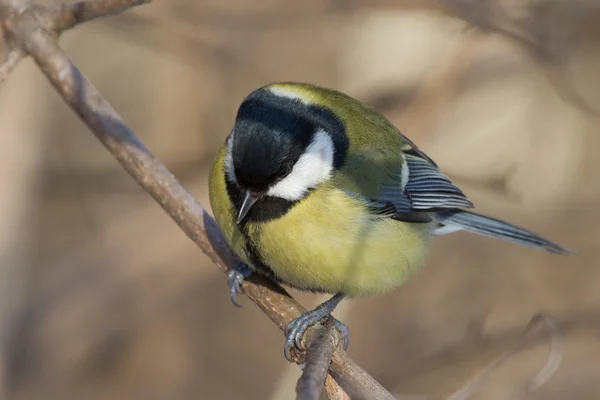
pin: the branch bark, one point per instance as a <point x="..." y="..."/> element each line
<point x="54" y="21"/>
<point x="333" y="390"/>
<point x="69" y="15"/>
<point x="320" y="347"/>
<point x="33" y="30"/>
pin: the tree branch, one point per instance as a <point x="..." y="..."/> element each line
<point x="489" y="17"/>
<point x="12" y="59"/>
<point x="28" y="28"/>
<point x="68" y="15"/>
<point x="354" y="380"/>
<point x="545" y="38"/>
<point x="333" y="390"/>
<point x="321" y="344"/>
<point x="55" y="21"/>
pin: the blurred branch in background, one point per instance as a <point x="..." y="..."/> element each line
<point x="68" y="16"/>
<point x="550" y="367"/>
<point x="549" y="30"/>
<point x="33" y="30"/>
<point x="532" y="24"/>
<point x="53" y="21"/>
<point x="22" y="141"/>
<point x="12" y="59"/>
<point x="546" y="29"/>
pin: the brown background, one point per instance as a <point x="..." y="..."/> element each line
<point x="103" y="297"/>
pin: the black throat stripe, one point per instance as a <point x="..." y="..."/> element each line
<point x="265" y="209"/>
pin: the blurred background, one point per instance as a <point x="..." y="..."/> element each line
<point x="102" y="297"/>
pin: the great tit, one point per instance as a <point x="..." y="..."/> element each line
<point x="318" y="192"/>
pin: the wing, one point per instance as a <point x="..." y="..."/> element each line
<point x="405" y="185"/>
<point x="412" y="149"/>
<point x="417" y="189"/>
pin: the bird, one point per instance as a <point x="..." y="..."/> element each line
<point x="317" y="191"/>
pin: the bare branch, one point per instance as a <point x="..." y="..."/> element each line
<point x="545" y="29"/>
<point x="333" y="390"/>
<point x="13" y="58"/>
<point x="8" y="7"/>
<point x="487" y="16"/>
<point x="321" y="345"/>
<point x="153" y="176"/>
<point x="556" y="351"/>
<point x="55" y="21"/>
<point x="354" y="380"/>
<point x="69" y="15"/>
<point x="552" y="364"/>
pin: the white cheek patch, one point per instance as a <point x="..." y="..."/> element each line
<point x="229" y="171"/>
<point x="312" y="168"/>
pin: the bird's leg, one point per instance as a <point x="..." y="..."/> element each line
<point x="297" y="327"/>
<point x="235" y="278"/>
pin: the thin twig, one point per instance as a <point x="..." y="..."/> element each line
<point x="333" y="390"/>
<point x="321" y="345"/>
<point x="555" y="355"/>
<point x="354" y="380"/>
<point x="545" y="40"/>
<point x="289" y="376"/>
<point x="485" y="16"/>
<point x="56" y="21"/>
<point x="69" y="15"/>
<point x="153" y="176"/>
<point x="552" y="364"/>
<point x="12" y="59"/>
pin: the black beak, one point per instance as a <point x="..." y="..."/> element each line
<point x="249" y="201"/>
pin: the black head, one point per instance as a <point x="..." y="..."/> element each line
<point x="270" y="136"/>
<point x="265" y="146"/>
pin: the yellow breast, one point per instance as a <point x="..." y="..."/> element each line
<point x="330" y="242"/>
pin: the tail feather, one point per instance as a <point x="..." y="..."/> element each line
<point x="458" y="219"/>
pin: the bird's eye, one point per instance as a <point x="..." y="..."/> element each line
<point x="285" y="171"/>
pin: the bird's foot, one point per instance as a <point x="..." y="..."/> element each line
<point x="297" y="328"/>
<point x="235" y="278"/>
<point x="343" y="331"/>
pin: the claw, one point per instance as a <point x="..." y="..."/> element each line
<point x="297" y="327"/>
<point x="235" y="278"/>
<point x="343" y="331"/>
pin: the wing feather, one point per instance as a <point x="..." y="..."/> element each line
<point x="412" y="190"/>
<point x="426" y="189"/>
<point x="423" y="189"/>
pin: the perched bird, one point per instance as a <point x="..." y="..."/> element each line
<point x="318" y="192"/>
